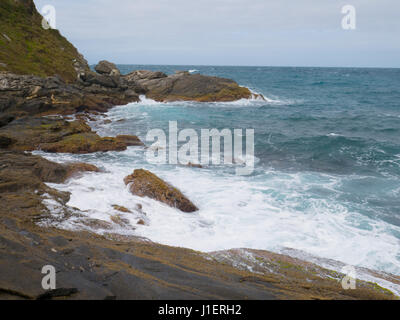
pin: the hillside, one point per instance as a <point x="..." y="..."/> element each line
<point x="27" y="48"/>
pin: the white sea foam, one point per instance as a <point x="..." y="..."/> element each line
<point x="255" y="100"/>
<point x="268" y="212"/>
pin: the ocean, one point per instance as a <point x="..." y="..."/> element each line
<point x="326" y="179"/>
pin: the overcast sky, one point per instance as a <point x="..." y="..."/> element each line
<point x="232" y="32"/>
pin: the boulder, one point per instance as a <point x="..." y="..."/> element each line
<point x="144" y="183"/>
<point x="107" y="68"/>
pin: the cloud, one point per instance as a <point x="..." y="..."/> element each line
<point x="237" y="32"/>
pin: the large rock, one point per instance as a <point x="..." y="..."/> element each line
<point x="188" y="87"/>
<point x="143" y="183"/>
<point x="107" y="68"/>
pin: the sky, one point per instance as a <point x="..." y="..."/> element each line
<point x="232" y="32"/>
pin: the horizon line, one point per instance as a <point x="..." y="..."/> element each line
<point x="232" y="65"/>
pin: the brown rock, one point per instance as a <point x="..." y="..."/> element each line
<point x="143" y="183"/>
<point x="129" y="140"/>
<point x="76" y="169"/>
<point x="84" y="143"/>
<point x="58" y="135"/>
<point x="121" y="208"/>
<point x="189" y="87"/>
<point x="117" y="219"/>
<point x="44" y="170"/>
<point x="194" y="165"/>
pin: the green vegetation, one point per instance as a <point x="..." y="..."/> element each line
<point x="27" y="48"/>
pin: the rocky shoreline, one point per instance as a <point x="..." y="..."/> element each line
<point x="48" y="112"/>
<point x="111" y="266"/>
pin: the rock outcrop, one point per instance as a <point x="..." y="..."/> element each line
<point x="58" y="135"/>
<point x="44" y="170"/>
<point x="143" y="183"/>
<point x="187" y="87"/>
<point x="25" y="95"/>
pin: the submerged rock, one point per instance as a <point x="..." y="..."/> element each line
<point x="143" y="183"/>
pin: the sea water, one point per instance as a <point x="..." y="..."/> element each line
<point x="326" y="179"/>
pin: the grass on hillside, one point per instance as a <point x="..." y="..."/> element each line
<point x="27" y="48"/>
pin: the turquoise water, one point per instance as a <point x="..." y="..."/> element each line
<point x="336" y="121"/>
<point x="327" y="173"/>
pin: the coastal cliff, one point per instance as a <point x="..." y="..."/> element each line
<point x="27" y="48"/>
<point x="47" y="94"/>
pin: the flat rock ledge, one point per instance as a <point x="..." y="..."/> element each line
<point x="144" y="183"/>
<point x="59" y="135"/>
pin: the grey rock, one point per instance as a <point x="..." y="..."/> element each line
<point x="107" y="68"/>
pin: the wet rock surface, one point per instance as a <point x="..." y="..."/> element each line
<point x="143" y="183"/>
